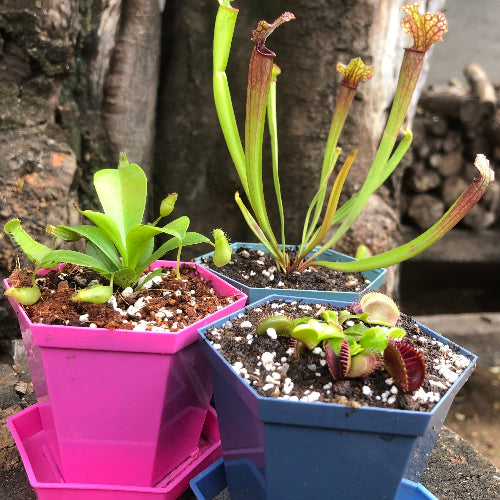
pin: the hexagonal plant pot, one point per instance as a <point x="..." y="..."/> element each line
<point x="295" y="449"/>
<point x="126" y="407"/>
<point x="46" y="479"/>
<point x="375" y="278"/>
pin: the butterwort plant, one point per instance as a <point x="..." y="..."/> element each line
<point x="425" y="29"/>
<point x="356" y="343"/>
<point x="118" y="245"/>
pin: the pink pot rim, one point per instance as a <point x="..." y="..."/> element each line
<point x="70" y="337"/>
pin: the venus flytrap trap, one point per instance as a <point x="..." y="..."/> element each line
<point x="356" y="344"/>
<point x="118" y="246"/>
<point x="425" y="29"/>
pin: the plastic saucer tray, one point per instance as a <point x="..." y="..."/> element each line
<point x="212" y="481"/>
<point x="31" y="440"/>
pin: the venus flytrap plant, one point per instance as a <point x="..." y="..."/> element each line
<point x="119" y="247"/>
<point x="425" y="29"/>
<point x="356" y="349"/>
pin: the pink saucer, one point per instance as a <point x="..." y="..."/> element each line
<point x="44" y="476"/>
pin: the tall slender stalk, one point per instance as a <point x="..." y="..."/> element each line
<point x="425" y="29"/>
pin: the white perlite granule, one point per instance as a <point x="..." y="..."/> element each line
<point x="267" y="359"/>
<point x="367" y="391"/>
<point x="312" y="396"/>
<point x="272" y="333"/>
<point x="288" y="386"/>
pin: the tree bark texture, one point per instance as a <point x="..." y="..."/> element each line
<point x="78" y="84"/>
<point x="82" y="80"/>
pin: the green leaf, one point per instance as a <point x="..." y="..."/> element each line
<point x="390" y="166"/>
<point x="99" y="238"/>
<point x="345" y="315"/>
<point x="63" y="232"/>
<point x="169" y="245"/>
<point x="396" y="333"/>
<point x="127" y="277"/>
<point x="281" y="324"/>
<point x="122" y="193"/>
<point x="356" y="330"/>
<point x="98" y="294"/>
<point x="300" y="321"/>
<point x="177" y="227"/>
<point x="355" y="348"/>
<point x="329" y="212"/>
<point x="335" y="344"/>
<point x="78" y="259"/>
<point x="272" y="123"/>
<point x="24" y="295"/>
<point x="36" y="252"/>
<point x="254" y="226"/>
<point x="331" y="318"/>
<point x="110" y="230"/>
<point x="223" y="35"/>
<point x="374" y="339"/>
<point x="138" y="239"/>
<point x="314" y="332"/>
<point x="147" y="254"/>
<point x="455" y="213"/>
<point x="157" y="272"/>
<point x="192" y="238"/>
<point x="95" y="252"/>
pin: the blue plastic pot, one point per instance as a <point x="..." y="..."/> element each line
<point x="294" y="450"/>
<point x="212" y="481"/>
<point x="375" y="277"/>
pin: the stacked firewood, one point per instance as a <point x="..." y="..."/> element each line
<point x="454" y="123"/>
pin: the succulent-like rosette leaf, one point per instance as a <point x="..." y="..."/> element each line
<point x="356" y="71"/>
<point x="406" y="366"/>
<point x="425" y="29"/>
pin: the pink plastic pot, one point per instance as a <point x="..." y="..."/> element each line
<point x="125" y="407"/>
<point x="33" y="444"/>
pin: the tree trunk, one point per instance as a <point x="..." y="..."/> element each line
<point x="78" y="84"/>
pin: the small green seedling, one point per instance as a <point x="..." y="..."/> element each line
<point x="119" y="247"/>
<point x="425" y="29"/>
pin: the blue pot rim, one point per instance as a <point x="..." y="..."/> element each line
<point x="376" y="277"/>
<point x="382" y="420"/>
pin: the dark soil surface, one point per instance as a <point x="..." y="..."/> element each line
<point x="257" y="269"/>
<point x="309" y="374"/>
<point x="169" y="304"/>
